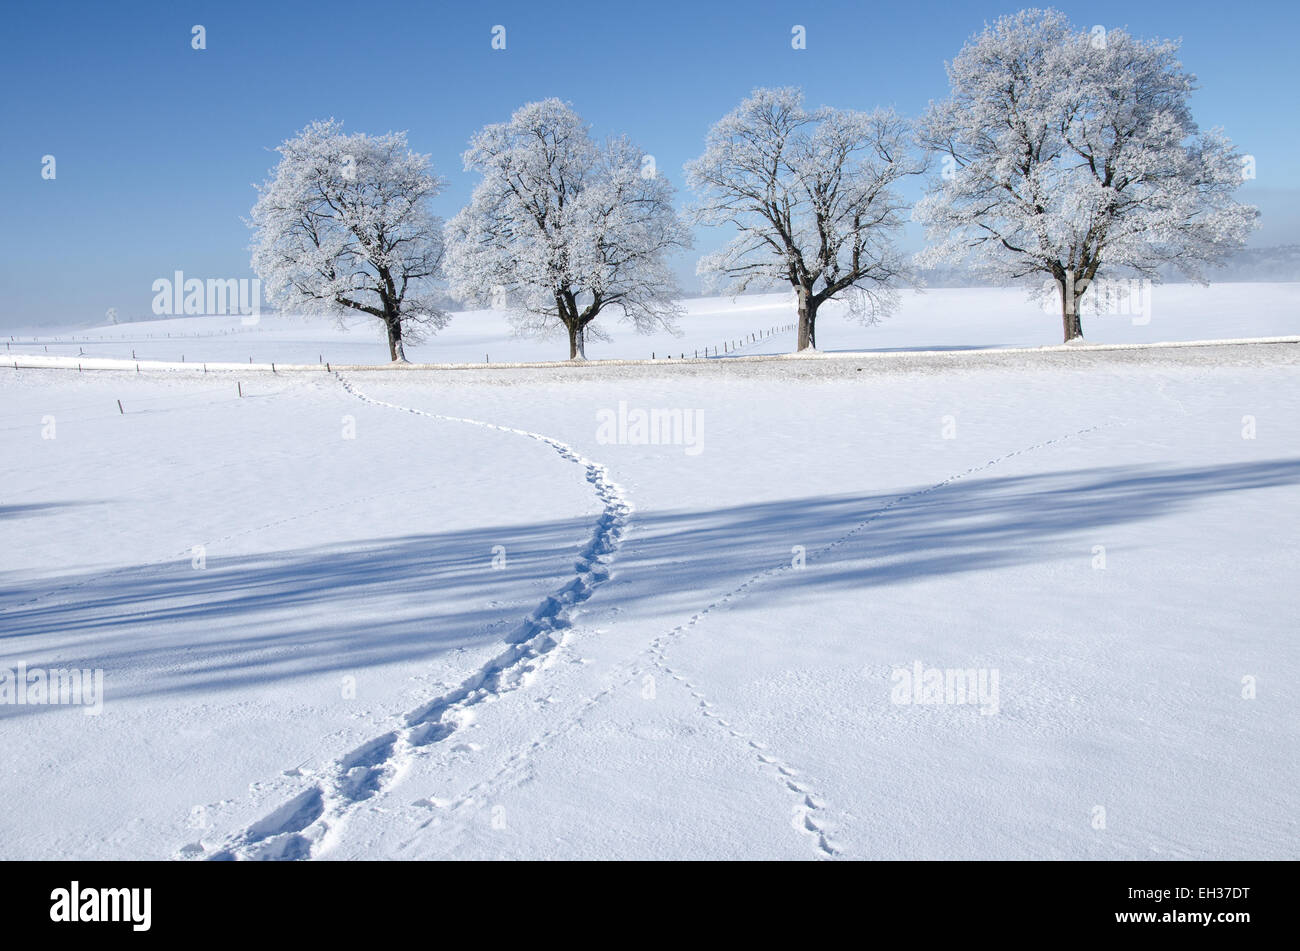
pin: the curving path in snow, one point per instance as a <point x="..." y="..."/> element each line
<point x="312" y="820"/>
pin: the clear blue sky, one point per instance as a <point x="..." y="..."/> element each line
<point x="158" y="145"/>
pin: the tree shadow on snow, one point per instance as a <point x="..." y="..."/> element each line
<point x="267" y="618"/>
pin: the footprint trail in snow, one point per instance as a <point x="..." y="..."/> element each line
<point x="312" y="819"/>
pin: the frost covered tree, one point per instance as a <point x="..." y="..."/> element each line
<point x="810" y="194"/>
<point x="561" y="229"/>
<point x="344" y="227"/>
<point x="1066" y="154"/>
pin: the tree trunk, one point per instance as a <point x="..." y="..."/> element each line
<point x="807" y="320"/>
<point x="1070" y="322"/>
<point x="577" y="341"/>
<point x="395" y="349"/>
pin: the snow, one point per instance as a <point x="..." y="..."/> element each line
<point x="649" y="674"/>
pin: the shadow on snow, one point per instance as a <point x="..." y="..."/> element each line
<point x="266" y="618"/>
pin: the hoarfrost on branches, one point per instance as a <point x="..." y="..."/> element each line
<point x="1065" y="154"/>
<point x="810" y="193"/>
<point x="561" y="229"/>
<point x="343" y="226"/>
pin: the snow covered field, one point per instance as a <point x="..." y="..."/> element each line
<point x="939" y="318"/>
<point x="422" y="614"/>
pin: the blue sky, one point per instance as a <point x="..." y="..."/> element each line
<point x="158" y="145"/>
